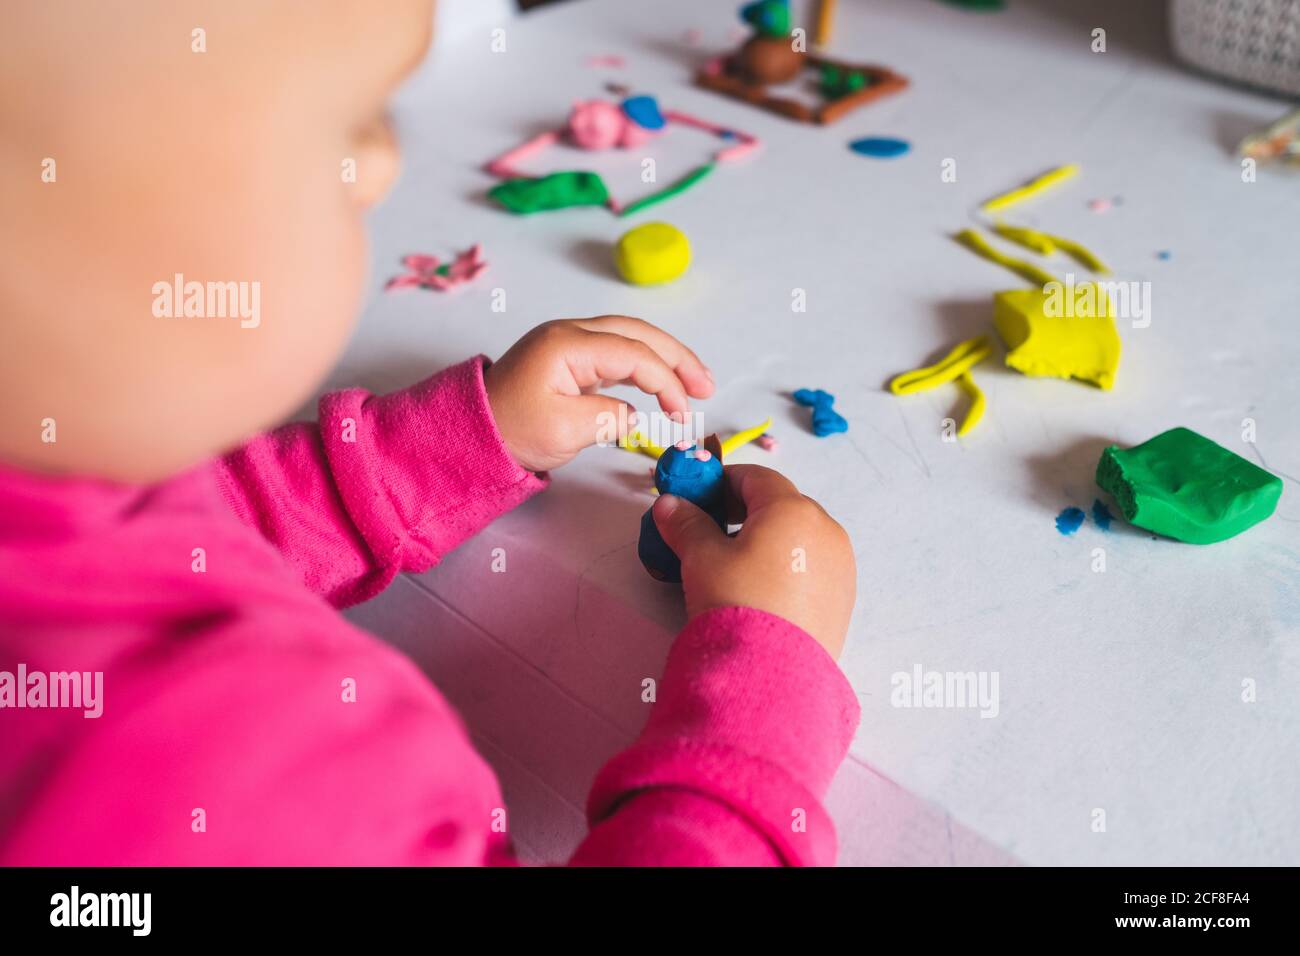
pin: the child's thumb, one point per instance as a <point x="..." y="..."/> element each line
<point x="605" y="419"/>
<point x="684" y="526"/>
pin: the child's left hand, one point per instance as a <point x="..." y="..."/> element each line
<point x="542" y="391"/>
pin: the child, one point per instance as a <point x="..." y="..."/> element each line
<point x="158" y="138"/>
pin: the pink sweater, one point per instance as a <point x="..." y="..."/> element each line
<point x="228" y="732"/>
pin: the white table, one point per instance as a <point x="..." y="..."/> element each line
<point x="1120" y="691"/>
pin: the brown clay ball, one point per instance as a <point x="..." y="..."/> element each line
<point x="767" y="60"/>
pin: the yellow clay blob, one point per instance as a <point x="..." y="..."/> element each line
<point x="652" y="254"/>
<point x="1061" y="332"/>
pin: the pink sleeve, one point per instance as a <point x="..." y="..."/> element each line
<point x="383" y="484"/>
<point x="752" y="719"/>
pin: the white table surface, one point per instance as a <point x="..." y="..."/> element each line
<point x="1119" y="690"/>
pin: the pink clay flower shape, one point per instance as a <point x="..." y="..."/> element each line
<point x="422" y="270"/>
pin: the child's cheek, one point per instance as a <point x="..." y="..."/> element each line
<point x="312" y="292"/>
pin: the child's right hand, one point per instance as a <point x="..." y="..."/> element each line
<point x="790" y="558"/>
<point x="544" y="391"/>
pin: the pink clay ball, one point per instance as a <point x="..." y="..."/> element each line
<point x="634" y="135"/>
<point x="596" y="124"/>
<point x="600" y="124"/>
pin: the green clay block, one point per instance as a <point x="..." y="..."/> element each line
<point x="556" y="191"/>
<point x="1184" y="486"/>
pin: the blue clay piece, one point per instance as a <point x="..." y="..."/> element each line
<point x="1070" y="520"/>
<point x="680" y="473"/>
<point x="1101" y="515"/>
<point x="656" y="557"/>
<point x="825" y="420"/>
<point x="644" y="111"/>
<point x="880" y="147"/>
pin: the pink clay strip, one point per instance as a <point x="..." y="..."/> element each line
<point x="503" y="167"/>
<point x="745" y="143"/>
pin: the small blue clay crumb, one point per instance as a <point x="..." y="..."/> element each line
<point x="726" y="134"/>
<point x="1164" y="255"/>
<point x="880" y="147"/>
<point x="1069" y="520"/>
<point x="1101" y="514"/>
<point x="825" y="420"/>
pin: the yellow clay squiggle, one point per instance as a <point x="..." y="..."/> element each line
<point x="956" y="363"/>
<point x="977" y="244"/>
<point x="1046" y="244"/>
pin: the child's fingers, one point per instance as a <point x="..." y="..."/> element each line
<point x="750" y="487"/>
<point x="607" y="356"/>
<point x="684" y="527"/>
<point x="694" y="374"/>
<point x="599" y="418"/>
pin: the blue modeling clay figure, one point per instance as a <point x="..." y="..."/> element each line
<point x="691" y="473"/>
<point x="825" y="419"/>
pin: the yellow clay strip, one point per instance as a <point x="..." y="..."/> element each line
<point x="744" y="438"/>
<point x="1082" y="255"/>
<point x="1043" y="182"/>
<point x="956" y="363"/>
<point x="825" y="20"/>
<point x="1046" y="244"/>
<point x="977" y="244"/>
<point x="1031" y="239"/>
<point x="976" y="411"/>
<point x="636" y="442"/>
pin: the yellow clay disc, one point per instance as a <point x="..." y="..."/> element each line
<point x="652" y="254"/>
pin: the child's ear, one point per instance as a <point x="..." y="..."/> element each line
<point x="378" y="161"/>
<point x="713" y="445"/>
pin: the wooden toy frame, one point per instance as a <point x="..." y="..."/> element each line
<point x="714" y="76"/>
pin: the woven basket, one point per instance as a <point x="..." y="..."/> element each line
<point x="1250" y="41"/>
